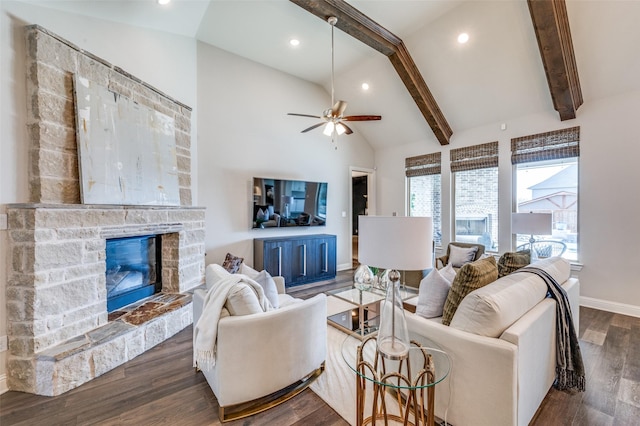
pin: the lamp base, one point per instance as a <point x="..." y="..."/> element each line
<point x="393" y="349"/>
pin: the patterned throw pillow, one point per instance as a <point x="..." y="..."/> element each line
<point x="470" y="277"/>
<point x="512" y="261"/>
<point x="232" y="263"/>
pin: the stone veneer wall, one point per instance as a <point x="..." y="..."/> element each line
<point x="53" y="166"/>
<point x="58" y="329"/>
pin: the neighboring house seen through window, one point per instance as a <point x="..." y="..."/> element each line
<point x="546" y="181"/>
<point x="475" y="204"/>
<point x="424" y="190"/>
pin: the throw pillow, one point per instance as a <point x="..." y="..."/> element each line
<point x="458" y="256"/>
<point x="448" y="272"/>
<point x="432" y="294"/>
<point x="232" y="263"/>
<point x="269" y="286"/>
<point x="512" y="261"/>
<point x="470" y="277"/>
<point x="242" y="300"/>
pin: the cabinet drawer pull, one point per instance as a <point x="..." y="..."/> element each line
<point x="325" y="268"/>
<point x="304" y="260"/>
<point x="280" y="261"/>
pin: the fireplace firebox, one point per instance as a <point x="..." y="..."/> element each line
<point x="133" y="269"/>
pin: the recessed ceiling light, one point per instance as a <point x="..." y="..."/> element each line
<point x="163" y="2"/>
<point x="294" y="42"/>
<point x="365" y="86"/>
<point x="463" y="38"/>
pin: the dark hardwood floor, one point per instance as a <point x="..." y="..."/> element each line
<point x="160" y="387"/>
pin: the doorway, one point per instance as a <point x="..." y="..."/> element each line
<point x="362" y="203"/>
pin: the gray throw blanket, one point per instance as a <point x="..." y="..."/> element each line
<point x="569" y="366"/>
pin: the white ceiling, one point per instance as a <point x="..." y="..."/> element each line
<point x="496" y="76"/>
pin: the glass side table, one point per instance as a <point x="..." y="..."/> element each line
<point x="410" y="381"/>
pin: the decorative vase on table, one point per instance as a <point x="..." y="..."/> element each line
<point x="363" y="278"/>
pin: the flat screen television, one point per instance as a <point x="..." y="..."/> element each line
<point x="282" y="203"/>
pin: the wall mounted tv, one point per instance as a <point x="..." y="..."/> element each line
<point x="280" y="203"/>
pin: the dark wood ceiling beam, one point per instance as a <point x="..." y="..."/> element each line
<point x="551" y="25"/>
<point x="364" y="29"/>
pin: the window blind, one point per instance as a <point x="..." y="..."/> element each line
<point x="474" y="157"/>
<point x="553" y="145"/>
<point x="423" y="165"/>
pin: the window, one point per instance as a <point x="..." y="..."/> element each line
<point x="424" y="190"/>
<point x="475" y="170"/>
<point x="546" y="181"/>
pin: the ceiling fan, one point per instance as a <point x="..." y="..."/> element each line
<point x="333" y="118"/>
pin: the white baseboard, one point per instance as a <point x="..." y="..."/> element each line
<point x="3" y="384"/>
<point x="605" y="305"/>
<point x="344" y="266"/>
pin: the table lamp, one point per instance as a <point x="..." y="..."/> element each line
<point x="394" y="243"/>
<point x="531" y="223"/>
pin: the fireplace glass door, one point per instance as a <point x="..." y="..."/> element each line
<point x="132" y="270"/>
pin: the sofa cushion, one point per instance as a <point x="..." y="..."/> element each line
<point x="470" y="277"/>
<point x="285" y="300"/>
<point x="433" y="291"/>
<point x="458" y="256"/>
<point x="269" y="286"/>
<point x="232" y="263"/>
<point x="512" y="261"/>
<point x="242" y="300"/>
<point x="490" y="310"/>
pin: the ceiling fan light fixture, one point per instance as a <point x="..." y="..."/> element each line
<point x="340" y="129"/>
<point x="328" y="129"/>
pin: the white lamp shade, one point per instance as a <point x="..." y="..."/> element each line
<point x="395" y="242"/>
<point x="531" y="223"/>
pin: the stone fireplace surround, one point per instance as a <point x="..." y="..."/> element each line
<point x="60" y="335"/>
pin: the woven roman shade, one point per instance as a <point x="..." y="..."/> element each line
<point x="423" y="165"/>
<point x="474" y="157"/>
<point x="554" y="145"/>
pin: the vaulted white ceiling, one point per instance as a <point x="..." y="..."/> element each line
<point x="496" y="76"/>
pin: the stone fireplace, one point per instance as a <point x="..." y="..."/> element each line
<point x="60" y="333"/>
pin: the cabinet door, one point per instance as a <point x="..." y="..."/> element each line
<point x="324" y="258"/>
<point x="276" y="255"/>
<point x="301" y="253"/>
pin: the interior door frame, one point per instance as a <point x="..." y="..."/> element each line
<point x="371" y="195"/>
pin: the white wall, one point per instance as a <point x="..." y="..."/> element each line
<point x="165" y="61"/>
<point x="608" y="198"/>
<point x="244" y="132"/>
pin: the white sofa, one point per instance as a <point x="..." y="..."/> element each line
<point x="502" y="343"/>
<point x="263" y="353"/>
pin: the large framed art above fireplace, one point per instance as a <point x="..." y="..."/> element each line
<point x="60" y="333"/>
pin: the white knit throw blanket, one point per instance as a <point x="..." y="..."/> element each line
<point x="206" y="330"/>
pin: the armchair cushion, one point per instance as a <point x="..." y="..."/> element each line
<point x="242" y="300"/>
<point x="458" y="256"/>
<point x="470" y="277"/>
<point x="269" y="286"/>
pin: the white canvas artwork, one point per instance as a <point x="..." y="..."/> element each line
<point x="127" y="151"/>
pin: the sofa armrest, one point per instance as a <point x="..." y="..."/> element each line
<point x="484" y="370"/>
<point x="441" y="261"/>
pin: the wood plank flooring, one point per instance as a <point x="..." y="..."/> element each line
<point x="160" y="387"/>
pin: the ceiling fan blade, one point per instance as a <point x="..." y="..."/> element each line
<point x="338" y="108"/>
<point x="362" y="117"/>
<point x="347" y="129"/>
<point x="312" y="127"/>
<point x="304" y="115"/>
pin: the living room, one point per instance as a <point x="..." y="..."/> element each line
<point x="240" y="129"/>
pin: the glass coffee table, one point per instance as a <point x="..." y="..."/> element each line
<point x="356" y="312"/>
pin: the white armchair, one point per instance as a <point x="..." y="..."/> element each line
<point x="266" y="358"/>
